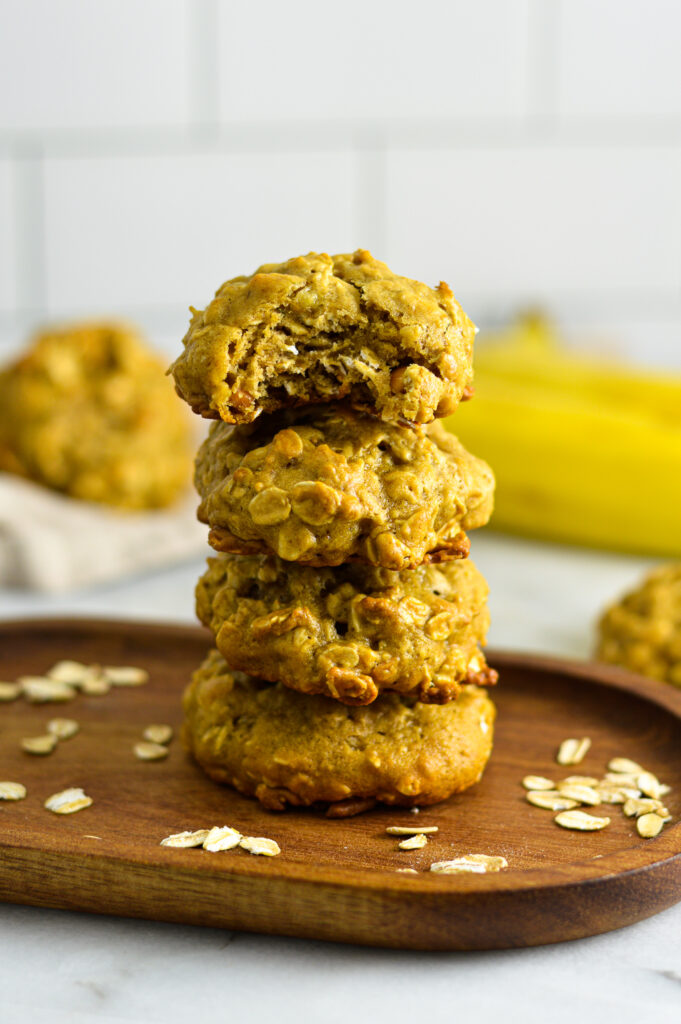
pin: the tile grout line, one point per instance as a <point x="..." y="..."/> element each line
<point x="303" y="136"/>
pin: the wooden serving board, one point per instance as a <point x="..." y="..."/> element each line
<point x="334" y="880"/>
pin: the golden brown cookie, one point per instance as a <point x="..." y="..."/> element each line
<point x="327" y="484"/>
<point x="88" y="411"/>
<point x="350" y="632"/>
<point x="642" y="631"/>
<point x="287" y="748"/>
<point x="324" y="328"/>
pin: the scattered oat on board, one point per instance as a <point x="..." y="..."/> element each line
<point x="624" y="766"/>
<point x="625" y="783"/>
<point x="9" y="691"/>
<point x="68" y="801"/>
<point x="649" y="785"/>
<point x="95" y="686"/>
<point x="62" y="728"/>
<point x="40" y="690"/>
<point x="146" y="751"/>
<point x="125" y="675"/>
<point x="12" y="791"/>
<point x="158" y="733"/>
<point x="414" y="842"/>
<point x="471" y="863"/>
<point x="649" y="825"/>
<point x="411" y="830"/>
<point x="611" y="796"/>
<point x="573" y="751"/>
<point x="582" y="794"/>
<point x="634" y="807"/>
<point x="581" y="821"/>
<point x="72" y="672"/>
<point x="260" y="846"/>
<point x="221" y="837"/>
<point x="537" y="782"/>
<point x="551" y="800"/>
<point x="619" y="779"/>
<point x="39" y="745"/>
<point x="186" y="840"/>
<point x="406" y="871"/>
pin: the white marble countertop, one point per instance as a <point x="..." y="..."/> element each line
<point x="58" y="967"/>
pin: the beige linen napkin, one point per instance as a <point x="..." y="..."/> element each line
<point x="49" y="542"/>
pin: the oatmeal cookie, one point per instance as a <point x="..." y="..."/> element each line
<point x="327" y="484"/>
<point x="324" y="328"/>
<point x="350" y="632"/>
<point x="643" y="630"/>
<point x="287" y="748"/>
<point x="88" y="411"/>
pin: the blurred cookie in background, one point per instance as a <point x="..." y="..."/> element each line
<point x="88" y="411"/>
<point x="642" y="631"/>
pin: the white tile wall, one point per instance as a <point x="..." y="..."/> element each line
<point x="8" y="295"/>
<point x="384" y="59"/>
<point x="169" y="230"/>
<point x="526" y="150"/>
<point x="75" y="63"/>
<point x="535" y="222"/>
<point x="619" y="59"/>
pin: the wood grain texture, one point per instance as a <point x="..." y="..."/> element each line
<point x="334" y="880"/>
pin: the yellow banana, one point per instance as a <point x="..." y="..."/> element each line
<point x="584" y="451"/>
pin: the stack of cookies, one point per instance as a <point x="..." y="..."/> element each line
<point x="347" y="618"/>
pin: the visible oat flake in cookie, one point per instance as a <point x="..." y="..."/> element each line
<point x="325" y="328"/>
<point x="326" y="484"/>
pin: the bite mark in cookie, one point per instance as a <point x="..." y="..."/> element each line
<point x="327" y="328"/>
